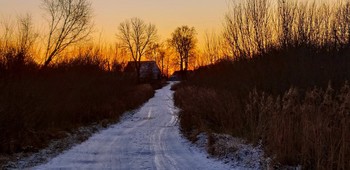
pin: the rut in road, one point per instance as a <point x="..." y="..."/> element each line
<point x="149" y="139"/>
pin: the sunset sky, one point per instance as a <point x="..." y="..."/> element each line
<point x="204" y="15"/>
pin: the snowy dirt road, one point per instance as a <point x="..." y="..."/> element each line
<point x="149" y="139"/>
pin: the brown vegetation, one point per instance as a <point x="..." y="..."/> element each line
<point x="284" y="86"/>
<point x="312" y="130"/>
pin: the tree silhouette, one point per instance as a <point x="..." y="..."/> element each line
<point x="183" y="40"/>
<point x="157" y="53"/>
<point x="70" y="22"/>
<point x="137" y="36"/>
<point x="213" y="49"/>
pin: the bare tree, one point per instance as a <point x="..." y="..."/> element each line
<point x="257" y="13"/>
<point x="233" y="31"/>
<point x="239" y="30"/>
<point x="26" y="34"/>
<point x="16" y="42"/>
<point x="157" y="53"/>
<point x="137" y="36"/>
<point x="286" y="15"/>
<point x="184" y="41"/>
<point x="69" y="21"/>
<point x="7" y="34"/>
<point x="7" y="47"/>
<point x="212" y="48"/>
<point x="152" y="51"/>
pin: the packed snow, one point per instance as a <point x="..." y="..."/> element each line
<point x="149" y="139"/>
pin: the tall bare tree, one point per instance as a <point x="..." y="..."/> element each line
<point x="247" y="27"/>
<point x="16" y="42"/>
<point x="212" y="49"/>
<point x="69" y="21"/>
<point x="137" y="36"/>
<point x="157" y="53"/>
<point x="259" y="16"/>
<point x="286" y="16"/>
<point x="7" y="29"/>
<point x="183" y="40"/>
<point x="26" y="33"/>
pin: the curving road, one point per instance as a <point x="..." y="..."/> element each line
<point x="149" y="139"/>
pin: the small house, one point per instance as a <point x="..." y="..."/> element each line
<point x="149" y="70"/>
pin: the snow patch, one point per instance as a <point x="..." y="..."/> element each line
<point x="233" y="151"/>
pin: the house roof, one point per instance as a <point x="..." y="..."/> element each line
<point x="145" y="66"/>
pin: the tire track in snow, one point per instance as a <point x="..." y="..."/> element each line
<point x="161" y="159"/>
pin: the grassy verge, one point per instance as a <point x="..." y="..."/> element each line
<point x="296" y="102"/>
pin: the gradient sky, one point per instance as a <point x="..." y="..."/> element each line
<point x="204" y="15"/>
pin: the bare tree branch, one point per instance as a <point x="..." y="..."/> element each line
<point x="70" y="22"/>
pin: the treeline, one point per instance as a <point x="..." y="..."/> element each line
<point x="257" y="26"/>
<point x="254" y="27"/>
<point x="285" y="83"/>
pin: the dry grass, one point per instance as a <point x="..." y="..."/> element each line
<point x="305" y="125"/>
<point x="311" y="129"/>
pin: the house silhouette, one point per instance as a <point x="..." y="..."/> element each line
<point x="149" y="70"/>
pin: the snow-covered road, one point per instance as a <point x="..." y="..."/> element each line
<point x="149" y="139"/>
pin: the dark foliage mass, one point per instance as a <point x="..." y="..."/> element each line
<point x="40" y="104"/>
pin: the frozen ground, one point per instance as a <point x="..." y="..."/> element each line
<point x="149" y="139"/>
